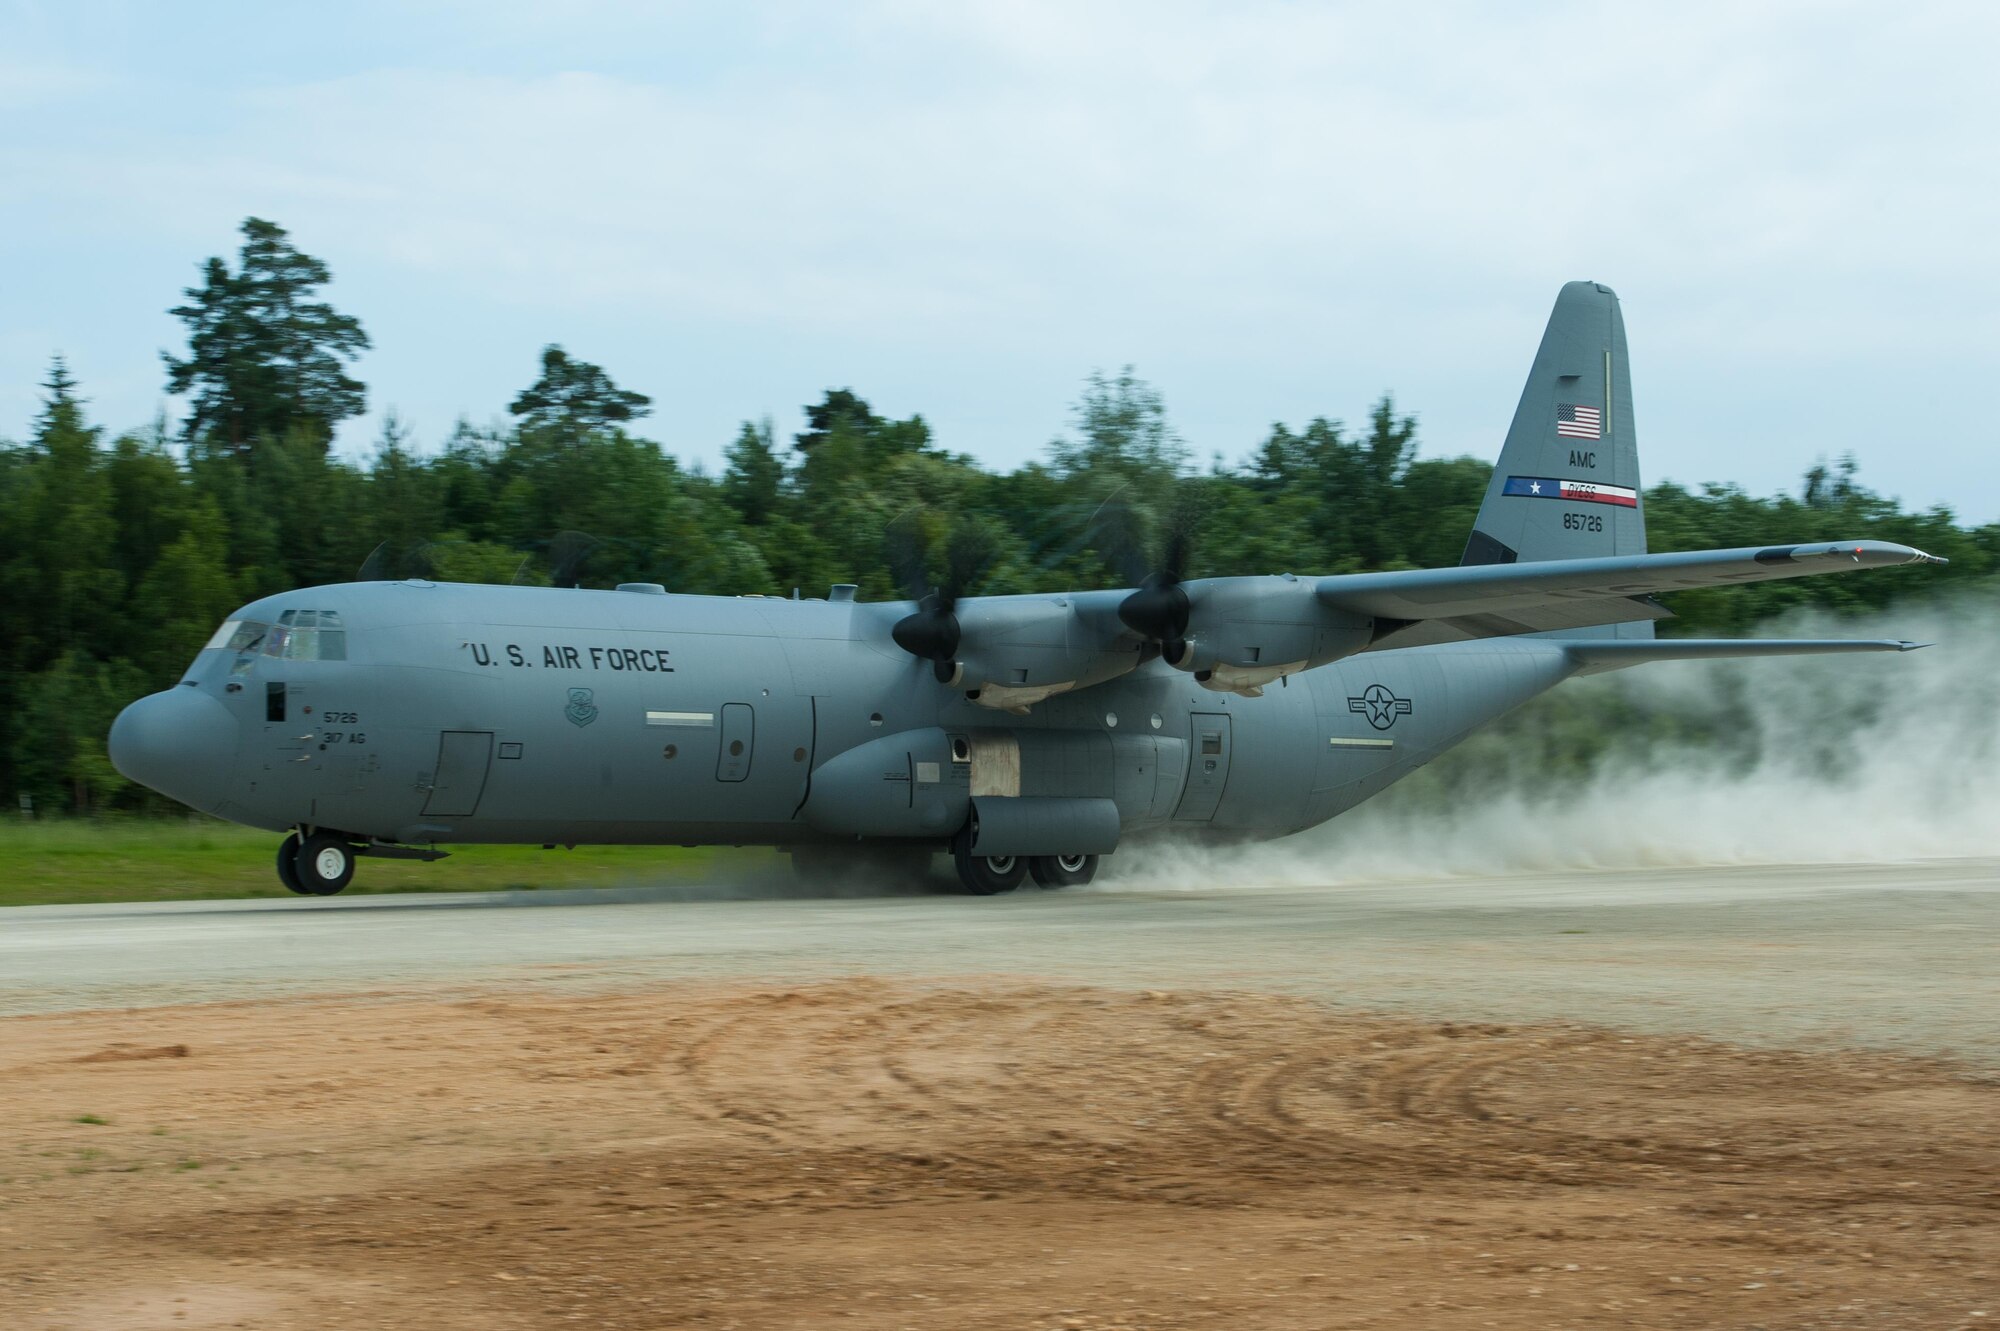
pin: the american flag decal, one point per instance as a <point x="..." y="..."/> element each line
<point x="1574" y="422"/>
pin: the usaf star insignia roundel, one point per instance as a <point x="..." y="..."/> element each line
<point x="1380" y="706"/>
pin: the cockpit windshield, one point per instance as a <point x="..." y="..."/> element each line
<point x="240" y="635"/>
<point x="307" y="635"/>
<point x="299" y="635"/>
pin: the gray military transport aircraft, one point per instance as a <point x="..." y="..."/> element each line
<point x="1029" y="734"/>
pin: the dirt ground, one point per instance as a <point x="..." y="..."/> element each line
<point x="984" y="1155"/>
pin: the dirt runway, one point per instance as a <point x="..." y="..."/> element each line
<point x="979" y="1154"/>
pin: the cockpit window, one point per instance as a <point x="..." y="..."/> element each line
<point x="240" y="635"/>
<point x="307" y="635"/>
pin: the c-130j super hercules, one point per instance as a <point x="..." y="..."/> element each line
<point x="1029" y="734"/>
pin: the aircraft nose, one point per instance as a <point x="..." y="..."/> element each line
<point x="181" y="743"/>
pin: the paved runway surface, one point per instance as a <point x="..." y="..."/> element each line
<point x="1899" y="955"/>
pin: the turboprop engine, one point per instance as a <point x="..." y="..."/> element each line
<point x="1236" y="635"/>
<point x="1012" y="652"/>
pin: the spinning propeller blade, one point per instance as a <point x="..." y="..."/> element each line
<point x="931" y="632"/>
<point x="1159" y="610"/>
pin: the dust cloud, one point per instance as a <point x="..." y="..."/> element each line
<point x="1837" y="759"/>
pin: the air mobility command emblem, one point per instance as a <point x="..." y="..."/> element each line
<point x="581" y="710"/>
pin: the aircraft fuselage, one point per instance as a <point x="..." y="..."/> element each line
<point x="532" y="715"/>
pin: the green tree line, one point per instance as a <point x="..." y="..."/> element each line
<point x="120" y="554"/>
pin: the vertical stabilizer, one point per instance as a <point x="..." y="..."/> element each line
<point x="1567" y="484"/>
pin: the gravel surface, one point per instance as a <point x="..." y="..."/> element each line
<point x="1893" y="955"/>
<point x="1674" y="1098"/>
<point x="969" y="1155"/>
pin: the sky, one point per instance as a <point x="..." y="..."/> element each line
<point x="1273" y="211"/>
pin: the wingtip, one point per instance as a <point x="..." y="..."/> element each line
<point x="1878" y="553"/>
<point x="1913" y="646"/>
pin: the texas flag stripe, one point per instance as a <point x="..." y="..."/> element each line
<point x="1582" y="492"/>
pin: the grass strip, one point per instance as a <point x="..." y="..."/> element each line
<point x="65" y="862"/>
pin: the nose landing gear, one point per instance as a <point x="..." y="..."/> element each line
<point x="317" y="866"/>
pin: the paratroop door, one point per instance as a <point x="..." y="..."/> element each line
<point x="1208" y="767"/>
<point x="461" y="773"/>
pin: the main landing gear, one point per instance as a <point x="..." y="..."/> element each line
<point x="317" y="866"/>
<point x="987" y="875"/>
<point x="1063" y="870"/>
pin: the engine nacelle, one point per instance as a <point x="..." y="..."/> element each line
<point x="1018" y="651"/>
<point x="1246" y="633"/>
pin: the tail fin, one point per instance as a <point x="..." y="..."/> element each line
<point x="1567" y="484"/>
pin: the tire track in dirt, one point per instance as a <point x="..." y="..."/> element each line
<point x="994" y="1154"/>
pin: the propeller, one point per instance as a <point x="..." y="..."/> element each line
<point x="1159" y="609"/>
<point x="567" y="551"/>
<point x="435" y="561"/>
<point x="422" y="560"/>
<point x="932" y="632"/>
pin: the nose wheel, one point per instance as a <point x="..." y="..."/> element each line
<point x="317" y="866"/>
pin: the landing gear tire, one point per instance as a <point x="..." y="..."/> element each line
<point x="1063" y="870"/>
<point x="324" y="864"/>
<point x="288" y="865"/>
<point x="987" y="875"/>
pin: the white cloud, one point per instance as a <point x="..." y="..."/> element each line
<point x="1333" y="198"/>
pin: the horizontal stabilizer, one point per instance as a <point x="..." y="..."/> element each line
<point x="1419" y="606"/>
<point x="1597" y="656"/>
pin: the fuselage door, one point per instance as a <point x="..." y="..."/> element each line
<point x="463" y="756"/>
<point x="288" y="729"/>
<point x="1208" y="767"/>
<point x="739" y="735"/>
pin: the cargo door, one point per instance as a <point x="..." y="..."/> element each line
<point x="463" y="756"/>
<point x="1208" y="767"/>
<point x="739" y="742"/>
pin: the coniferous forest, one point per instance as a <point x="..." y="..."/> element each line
<point x="121" y="551"/>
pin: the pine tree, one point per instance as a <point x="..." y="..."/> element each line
<point x="755" y="476"/>
<point x="264" y="357"/>
<point x="69" y="534"/>
<point x="574" y="396"/>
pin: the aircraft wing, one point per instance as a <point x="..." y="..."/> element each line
<point x="1420" y="606"/>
